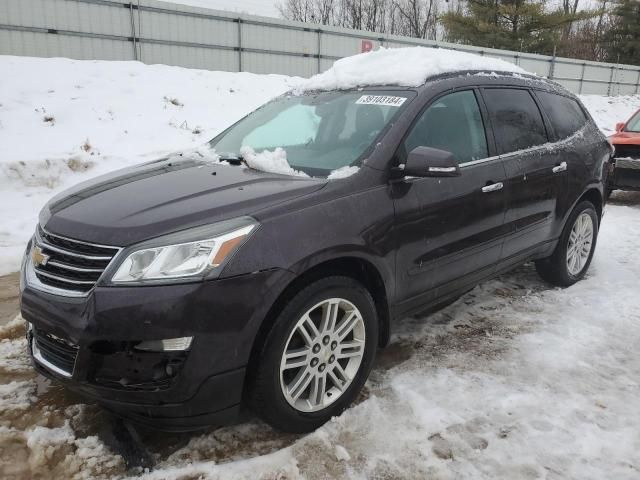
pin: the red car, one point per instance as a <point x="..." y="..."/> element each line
<point x="626" y="140"/>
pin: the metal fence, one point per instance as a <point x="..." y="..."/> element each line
<point x="157" y="32"/>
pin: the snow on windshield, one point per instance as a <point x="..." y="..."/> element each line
<point x="273" y="161"/>
<point x="401" y="66"/>
<point x="343" y="172"/>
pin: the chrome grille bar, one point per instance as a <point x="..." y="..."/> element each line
<point x="74" y="268"/>
<point x="48" y="246"/>
<point x="65" y="266"/>
<point x="63" y="279"/>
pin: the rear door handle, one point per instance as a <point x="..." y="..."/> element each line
<point x="493" y="187"/>
<point x="560" y="168"/>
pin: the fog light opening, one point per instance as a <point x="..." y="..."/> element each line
<point x="166" y="345"/>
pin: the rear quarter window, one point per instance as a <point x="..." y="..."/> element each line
<point x="515" y="118"/>
<point x="564" y="113"/>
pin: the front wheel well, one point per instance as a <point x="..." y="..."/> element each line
<point x="352" y="267"/>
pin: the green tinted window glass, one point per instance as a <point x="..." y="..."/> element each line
<point x="320" y="131"/>
<point x="294" y="126"/>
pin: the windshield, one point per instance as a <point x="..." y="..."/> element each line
<point x="633" y="125"/>
<point x="319" y="132"/>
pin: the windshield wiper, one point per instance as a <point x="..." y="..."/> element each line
<point x="232" y="158"/>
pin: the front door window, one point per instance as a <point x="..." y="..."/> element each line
<point x="454" y="124"/>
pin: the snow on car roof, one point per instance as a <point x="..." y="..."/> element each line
<point x="409" y="67"/>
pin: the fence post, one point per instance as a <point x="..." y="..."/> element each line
<point x="610" y="82"/>
<point x="133" y="31"/>
<point x="239" y="44"/>
<point x="139" y="34"/>
<point x="552" y="66"/>
<point x="616" y="70"/>
<point x="319" y="49"/>
<point x="584" y="66"/>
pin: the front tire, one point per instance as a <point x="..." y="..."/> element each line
<point x="317" y="356"/>
<point x="572" y="256"/>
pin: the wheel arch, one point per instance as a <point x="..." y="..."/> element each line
<point x="594" y="196"/>
<point x="355" y="267"/>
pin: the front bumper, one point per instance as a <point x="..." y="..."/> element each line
<point x="91" y="343"/>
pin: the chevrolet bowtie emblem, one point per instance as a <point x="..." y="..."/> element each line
<point x="38" y="257"/>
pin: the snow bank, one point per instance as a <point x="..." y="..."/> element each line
<point x="63" y="121"/>
<point x="401" y="66"/>
<point x="58" y="107"/>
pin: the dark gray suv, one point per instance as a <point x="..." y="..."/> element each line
<point x="179" y="291"/>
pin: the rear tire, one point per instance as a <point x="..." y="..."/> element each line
<point x="572" y="256"/>
<point x="313" y="364"/>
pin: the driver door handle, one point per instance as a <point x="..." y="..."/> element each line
<point x="493" y="187"/>
<point x="560" y="168"/>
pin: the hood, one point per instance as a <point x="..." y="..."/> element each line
<point x="146" y="201"/>
<point x="625" y="138"/>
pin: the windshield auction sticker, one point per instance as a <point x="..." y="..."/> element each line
<point x="380" y="100"/>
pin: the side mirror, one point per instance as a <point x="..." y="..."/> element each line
<point x="619" y="126"/>
<point x="430" y="162"/>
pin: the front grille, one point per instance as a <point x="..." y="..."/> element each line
<point x="627" y="151"/>
<point x="71" y="264"/>
<point x="55" y="351"/>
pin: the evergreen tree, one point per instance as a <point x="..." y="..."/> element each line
<point x="510" y="24"/>
<point x="623" y="38"/>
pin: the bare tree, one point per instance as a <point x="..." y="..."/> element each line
<point x="325" y="11"/>
<point x="416" y="18"/>
<point x="298" y="10"/>
<point x="582" y="38"/>
<point x="419" y="17"/>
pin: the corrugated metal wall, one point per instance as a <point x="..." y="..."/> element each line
<point x="159" y="32"/>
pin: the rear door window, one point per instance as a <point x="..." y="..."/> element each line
<point x="565" y="114"/>
<point x="516" y="120"/>
<point x="452" y="123"/>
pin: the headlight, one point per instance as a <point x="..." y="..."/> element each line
<point x="199" y="252"/>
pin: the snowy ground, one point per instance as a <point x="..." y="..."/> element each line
<point x="514" y="380"/>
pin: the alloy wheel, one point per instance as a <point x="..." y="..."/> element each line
<point x="322" y="355"/>
<point x="580" y="243"/>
